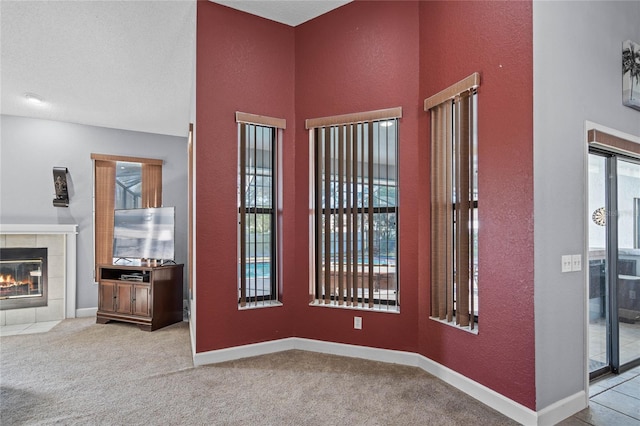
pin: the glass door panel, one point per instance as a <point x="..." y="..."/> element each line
<point x="628" y="283"/>
<point x="599" y="355"/>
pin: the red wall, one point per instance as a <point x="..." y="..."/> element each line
<point x="361" y="57"/>
<point x="365" y="56"/>
<point x="244" y="63"/>
<point x="495" y="39"/>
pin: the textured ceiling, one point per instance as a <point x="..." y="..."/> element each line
<point x="120" y="64"/>
<point x="290" y="12"/>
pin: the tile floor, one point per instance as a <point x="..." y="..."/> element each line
<point x="38" y="327"/>
<point x="613" y="400"/>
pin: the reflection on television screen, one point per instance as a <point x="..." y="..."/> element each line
<point x="144" y="233"/>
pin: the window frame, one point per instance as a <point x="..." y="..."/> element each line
<point x="104" y="188"/>
<point x="321" y="288"/>
<point x="454" y="168"/>
<point x="275" y="126"/>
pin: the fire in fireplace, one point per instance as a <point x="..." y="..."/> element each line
<point x="23" y="278"/>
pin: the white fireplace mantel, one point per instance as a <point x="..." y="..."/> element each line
<point x="27" y="228"/>
<point x="69" y="231"/>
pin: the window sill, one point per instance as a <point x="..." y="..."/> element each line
<point x="259" y="305"/>
<point x="376" y="307"/>
<point x="456" y="326"/>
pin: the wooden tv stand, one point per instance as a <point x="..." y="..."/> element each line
<point x="149" y="296"/>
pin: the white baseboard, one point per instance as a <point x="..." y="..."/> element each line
<point x="516" y="411"/>
<point x="86" y="312"/>
<point x="487" y="396"/>
<point x="354" y="351"/>
<point x="192" y="336"/>
<point x="560" y="410"/>
<point x="246" y="351"/>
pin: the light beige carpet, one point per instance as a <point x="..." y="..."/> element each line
<point x="114" y="374"/>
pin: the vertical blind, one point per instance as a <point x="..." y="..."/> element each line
<point x="105" y="183"/>
<point x="454" y="202"/>
<point x="356" y="201"/>
<point x="257" y="196"/>
<point x="151" y="185"/>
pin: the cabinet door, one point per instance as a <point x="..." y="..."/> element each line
<point x="124" y="298"/>
<point x="107" y="296"/>
<point x="141" y="300"/>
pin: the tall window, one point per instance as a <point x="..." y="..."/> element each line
<point x="454" y="203"/>
<point x="109" y="179"/>
<point x="356" y="209"/>
<point x="257" y="208"/>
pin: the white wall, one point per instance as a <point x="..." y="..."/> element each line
<point x="577" y="77"/>
<point x="30" y="148"/>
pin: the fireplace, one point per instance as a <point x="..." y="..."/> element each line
<point x="23" y="277"/>
<point x="60" y="242"/>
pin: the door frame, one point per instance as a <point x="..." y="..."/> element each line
<point x="614" y="144"/>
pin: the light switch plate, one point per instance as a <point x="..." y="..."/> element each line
<point x="357" y="323"/>
<point x="576" y="262"/>
<point x="567" y="261"/>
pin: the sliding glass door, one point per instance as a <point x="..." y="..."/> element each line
<point x="614" y="286"/>
<point x="599" y="354"/>
<point x="628" y="297"/>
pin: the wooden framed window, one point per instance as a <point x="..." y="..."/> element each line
<point x="111" y="192"/>
<point x="355" y="193"/>
<point x="258" y="178"/>
<point x="454" y="203"/>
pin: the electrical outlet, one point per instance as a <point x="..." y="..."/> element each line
<point x="566" y="262"/>
<point x="576" y="262"/>
<point x="632" y="294"/>
<point x="357" y="323"/>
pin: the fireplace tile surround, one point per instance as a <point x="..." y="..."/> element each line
<point x="60" y="241"/>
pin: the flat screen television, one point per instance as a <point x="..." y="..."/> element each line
<point x="146" y="233"/>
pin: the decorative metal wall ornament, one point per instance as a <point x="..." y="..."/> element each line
<point x="60" y="185"/>
<point x="599" y="216"/>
